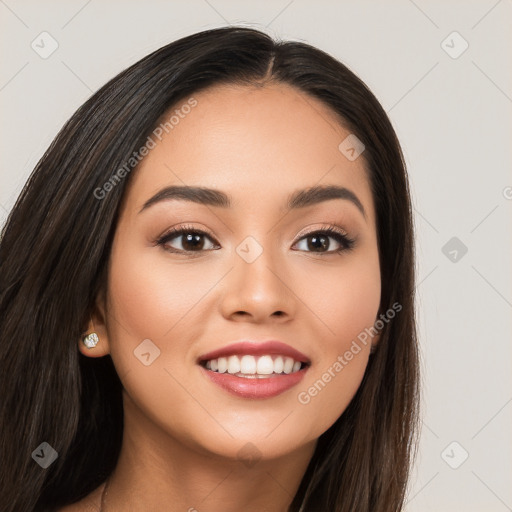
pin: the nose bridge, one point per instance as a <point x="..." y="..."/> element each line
<point x="257" y="284"/>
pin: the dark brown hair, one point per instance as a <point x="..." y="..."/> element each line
<point x="54" y="251"/>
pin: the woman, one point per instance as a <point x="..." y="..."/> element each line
<point x="207" y="293"/>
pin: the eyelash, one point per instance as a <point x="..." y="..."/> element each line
<point x="331" y="231"/>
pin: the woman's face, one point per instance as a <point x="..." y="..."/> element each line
<point x="262" y="272"/>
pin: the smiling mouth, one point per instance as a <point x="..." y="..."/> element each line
<point x="254" y="367"/>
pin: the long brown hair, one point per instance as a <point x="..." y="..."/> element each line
<point x="56" y="243"/>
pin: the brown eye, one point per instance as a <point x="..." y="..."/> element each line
<point x="320" y="241"/>
<point x="186" y="240"/>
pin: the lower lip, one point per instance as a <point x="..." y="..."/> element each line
<point x="256" y="388"/>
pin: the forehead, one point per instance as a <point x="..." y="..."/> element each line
<point x="258" y="144"/>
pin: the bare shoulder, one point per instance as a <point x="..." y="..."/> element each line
<point x="91" y="503"/>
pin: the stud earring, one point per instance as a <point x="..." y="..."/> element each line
<point x="91" y="340"/>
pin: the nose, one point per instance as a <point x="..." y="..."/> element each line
<point x="258" y="292"/>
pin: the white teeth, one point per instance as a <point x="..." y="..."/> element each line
<point x="265" y="365"/>
<point x="278" y="364"/>
<point x="248" y="365"/>
<point x="233" y="364"/>
<point x="288" y="365"/>
<point x="253" y="365"/>
<point x="222" y="364"/>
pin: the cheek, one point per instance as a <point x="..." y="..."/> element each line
<point x="347" y="304"/>
<point x="151" y="304"/>
<point x="356" y="302"/>
<point x="150" y="295"/>
<point x="346" y="299"/>
<point x="151" y="298"/>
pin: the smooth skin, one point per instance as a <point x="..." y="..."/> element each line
<point x="182" y="433"/>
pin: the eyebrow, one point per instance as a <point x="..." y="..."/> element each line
<point x="298" y="199"/>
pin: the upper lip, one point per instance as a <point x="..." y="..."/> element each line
<point x="254" y="348"/>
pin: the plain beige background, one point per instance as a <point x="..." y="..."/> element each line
<point x="451" y="107"/>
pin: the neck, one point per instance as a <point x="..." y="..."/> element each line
<point x="158" y="472"/>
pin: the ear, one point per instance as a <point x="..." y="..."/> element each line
<point x="97" y="324"/>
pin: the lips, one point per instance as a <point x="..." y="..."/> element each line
<point x="271" y="347"/>
<point x="254" y="388"/>
<point x="255" y="383"/>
